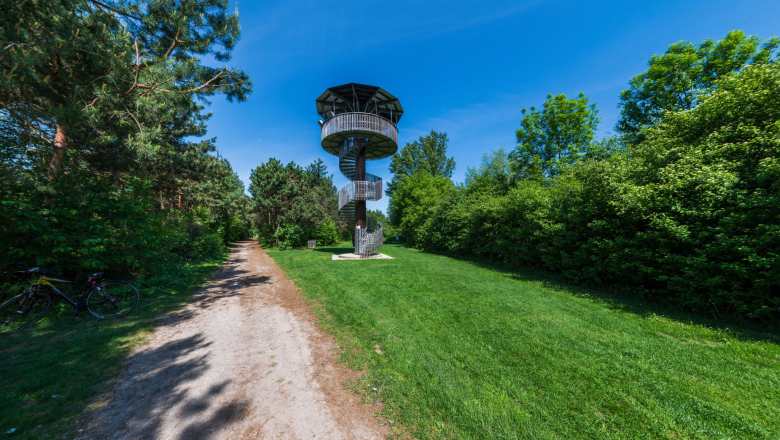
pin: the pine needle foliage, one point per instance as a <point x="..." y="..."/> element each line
<point x="99" y="103"/>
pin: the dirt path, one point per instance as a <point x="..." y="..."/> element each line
<point x="243" y="360"/>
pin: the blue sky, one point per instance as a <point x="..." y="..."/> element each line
<point x="463" y="67"/>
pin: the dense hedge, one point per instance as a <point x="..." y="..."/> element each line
<point x="691" y="215"/>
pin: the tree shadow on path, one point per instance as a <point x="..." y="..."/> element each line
<point x="153" y="391"/>
<point x="159" y="386"/>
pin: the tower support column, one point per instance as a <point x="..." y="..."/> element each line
<point x="360" y="206"/>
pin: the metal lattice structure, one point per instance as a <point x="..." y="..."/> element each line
<point x="359" y="125"/>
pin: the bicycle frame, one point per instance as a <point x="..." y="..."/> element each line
<point x="47" y="282"/>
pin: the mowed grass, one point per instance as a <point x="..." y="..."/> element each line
<point x="52" y="372"/>
<point x="473" y="350"/>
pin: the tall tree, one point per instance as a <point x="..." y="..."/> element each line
<point x="551" y="138"/>
<point x="291" y="194"/>
<point x="113" y="81"/>
<point x="99" y="101"/>
<point x="269" y="190"/>
<point x="495" y="166"/>
<point x="675" y="80"/>
<point x="428" y="153"/>
<point x="317" y="174"/>
<point x="414" y="201"/>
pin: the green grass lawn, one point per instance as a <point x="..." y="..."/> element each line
<point x="51" y="372"/>
<point x="476" y="350"/>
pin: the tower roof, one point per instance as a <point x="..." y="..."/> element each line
<point x="354" y="97"/>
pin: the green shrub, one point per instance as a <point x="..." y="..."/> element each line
<point x="327" y="235"/>
<point x="81" y="223"/>
<point x="291" y="235"/>
<point x="690" y="216"/>
<point x="208" y="245"/>
<point x="414" y="201"/>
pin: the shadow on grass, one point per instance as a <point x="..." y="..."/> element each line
<point x="152" y="392"/>
<point x="625" y="299"/>
<point x="350" y="249"/>
<point x="335" y="250"/>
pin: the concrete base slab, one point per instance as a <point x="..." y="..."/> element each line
<point x="358" y="257"/>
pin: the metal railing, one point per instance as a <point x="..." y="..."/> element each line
<point x="356" y="129"/>
<point x="361" y="190"/>
<point x="366" y="122"/>
<point x="368" y="240"/>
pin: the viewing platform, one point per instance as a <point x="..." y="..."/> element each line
<point x="381" y="133"/>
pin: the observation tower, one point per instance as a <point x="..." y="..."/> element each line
<point x="359" y="124"/>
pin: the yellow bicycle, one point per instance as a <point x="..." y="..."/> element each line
<point x="103" y="300"/>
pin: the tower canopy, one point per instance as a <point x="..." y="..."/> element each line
<point x="352" y="97"/>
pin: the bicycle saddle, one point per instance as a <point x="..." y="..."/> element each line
<point x="91" y="275"/>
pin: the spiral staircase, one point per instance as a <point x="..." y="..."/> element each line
<point x="359" y="124"/>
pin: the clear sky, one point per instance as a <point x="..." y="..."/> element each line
<point x="462" y="67"/>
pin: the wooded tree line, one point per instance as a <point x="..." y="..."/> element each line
<point x="293" y="204"/>
<point x="682" y="205"/>
<point x="99" y="103"/>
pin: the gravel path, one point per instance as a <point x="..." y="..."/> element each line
<point x="243" y="360"/>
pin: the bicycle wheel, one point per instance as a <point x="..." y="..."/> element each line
<point x="112" y="299"/>
<point x="22" y="310"/>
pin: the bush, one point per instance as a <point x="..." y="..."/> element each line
<point x="81" y="223"/>
<point x="291" y="235"/>
<point x="327" y="235"/>
<point x="414" y="201"/>
<point x="208" y="245"/>
<point x="690" y="216"/>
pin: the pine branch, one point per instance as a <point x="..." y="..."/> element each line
<point x="122" y="13"/>
<point x="137" y="70"/>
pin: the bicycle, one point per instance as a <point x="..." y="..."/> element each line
<point x="104" y="300"/>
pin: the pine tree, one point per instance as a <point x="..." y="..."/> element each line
<point x="113" y="82"/>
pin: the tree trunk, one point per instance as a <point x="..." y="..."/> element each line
<point x="360" y="205"/>
<point x="58" y="153"/>
<point x="117" y="176"/>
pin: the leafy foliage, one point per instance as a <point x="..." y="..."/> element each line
<point x="495" y="171"/>
<point x="289" y="235"/>
<point x="414" y="201"/>
<point x="388" y="229"/>
<point x="97" y="226"/>
<point x="100" y="101"/>
<point x="327" y="234"/>
<point x="689" y="216"/>
<point x="554" y="137"/>
<point x="291" y="202"/>
<point x="675" y="80"/>
<point x="606" y="147"/>
<point x="113" y="83"/>
<point x="428" y="153"/>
